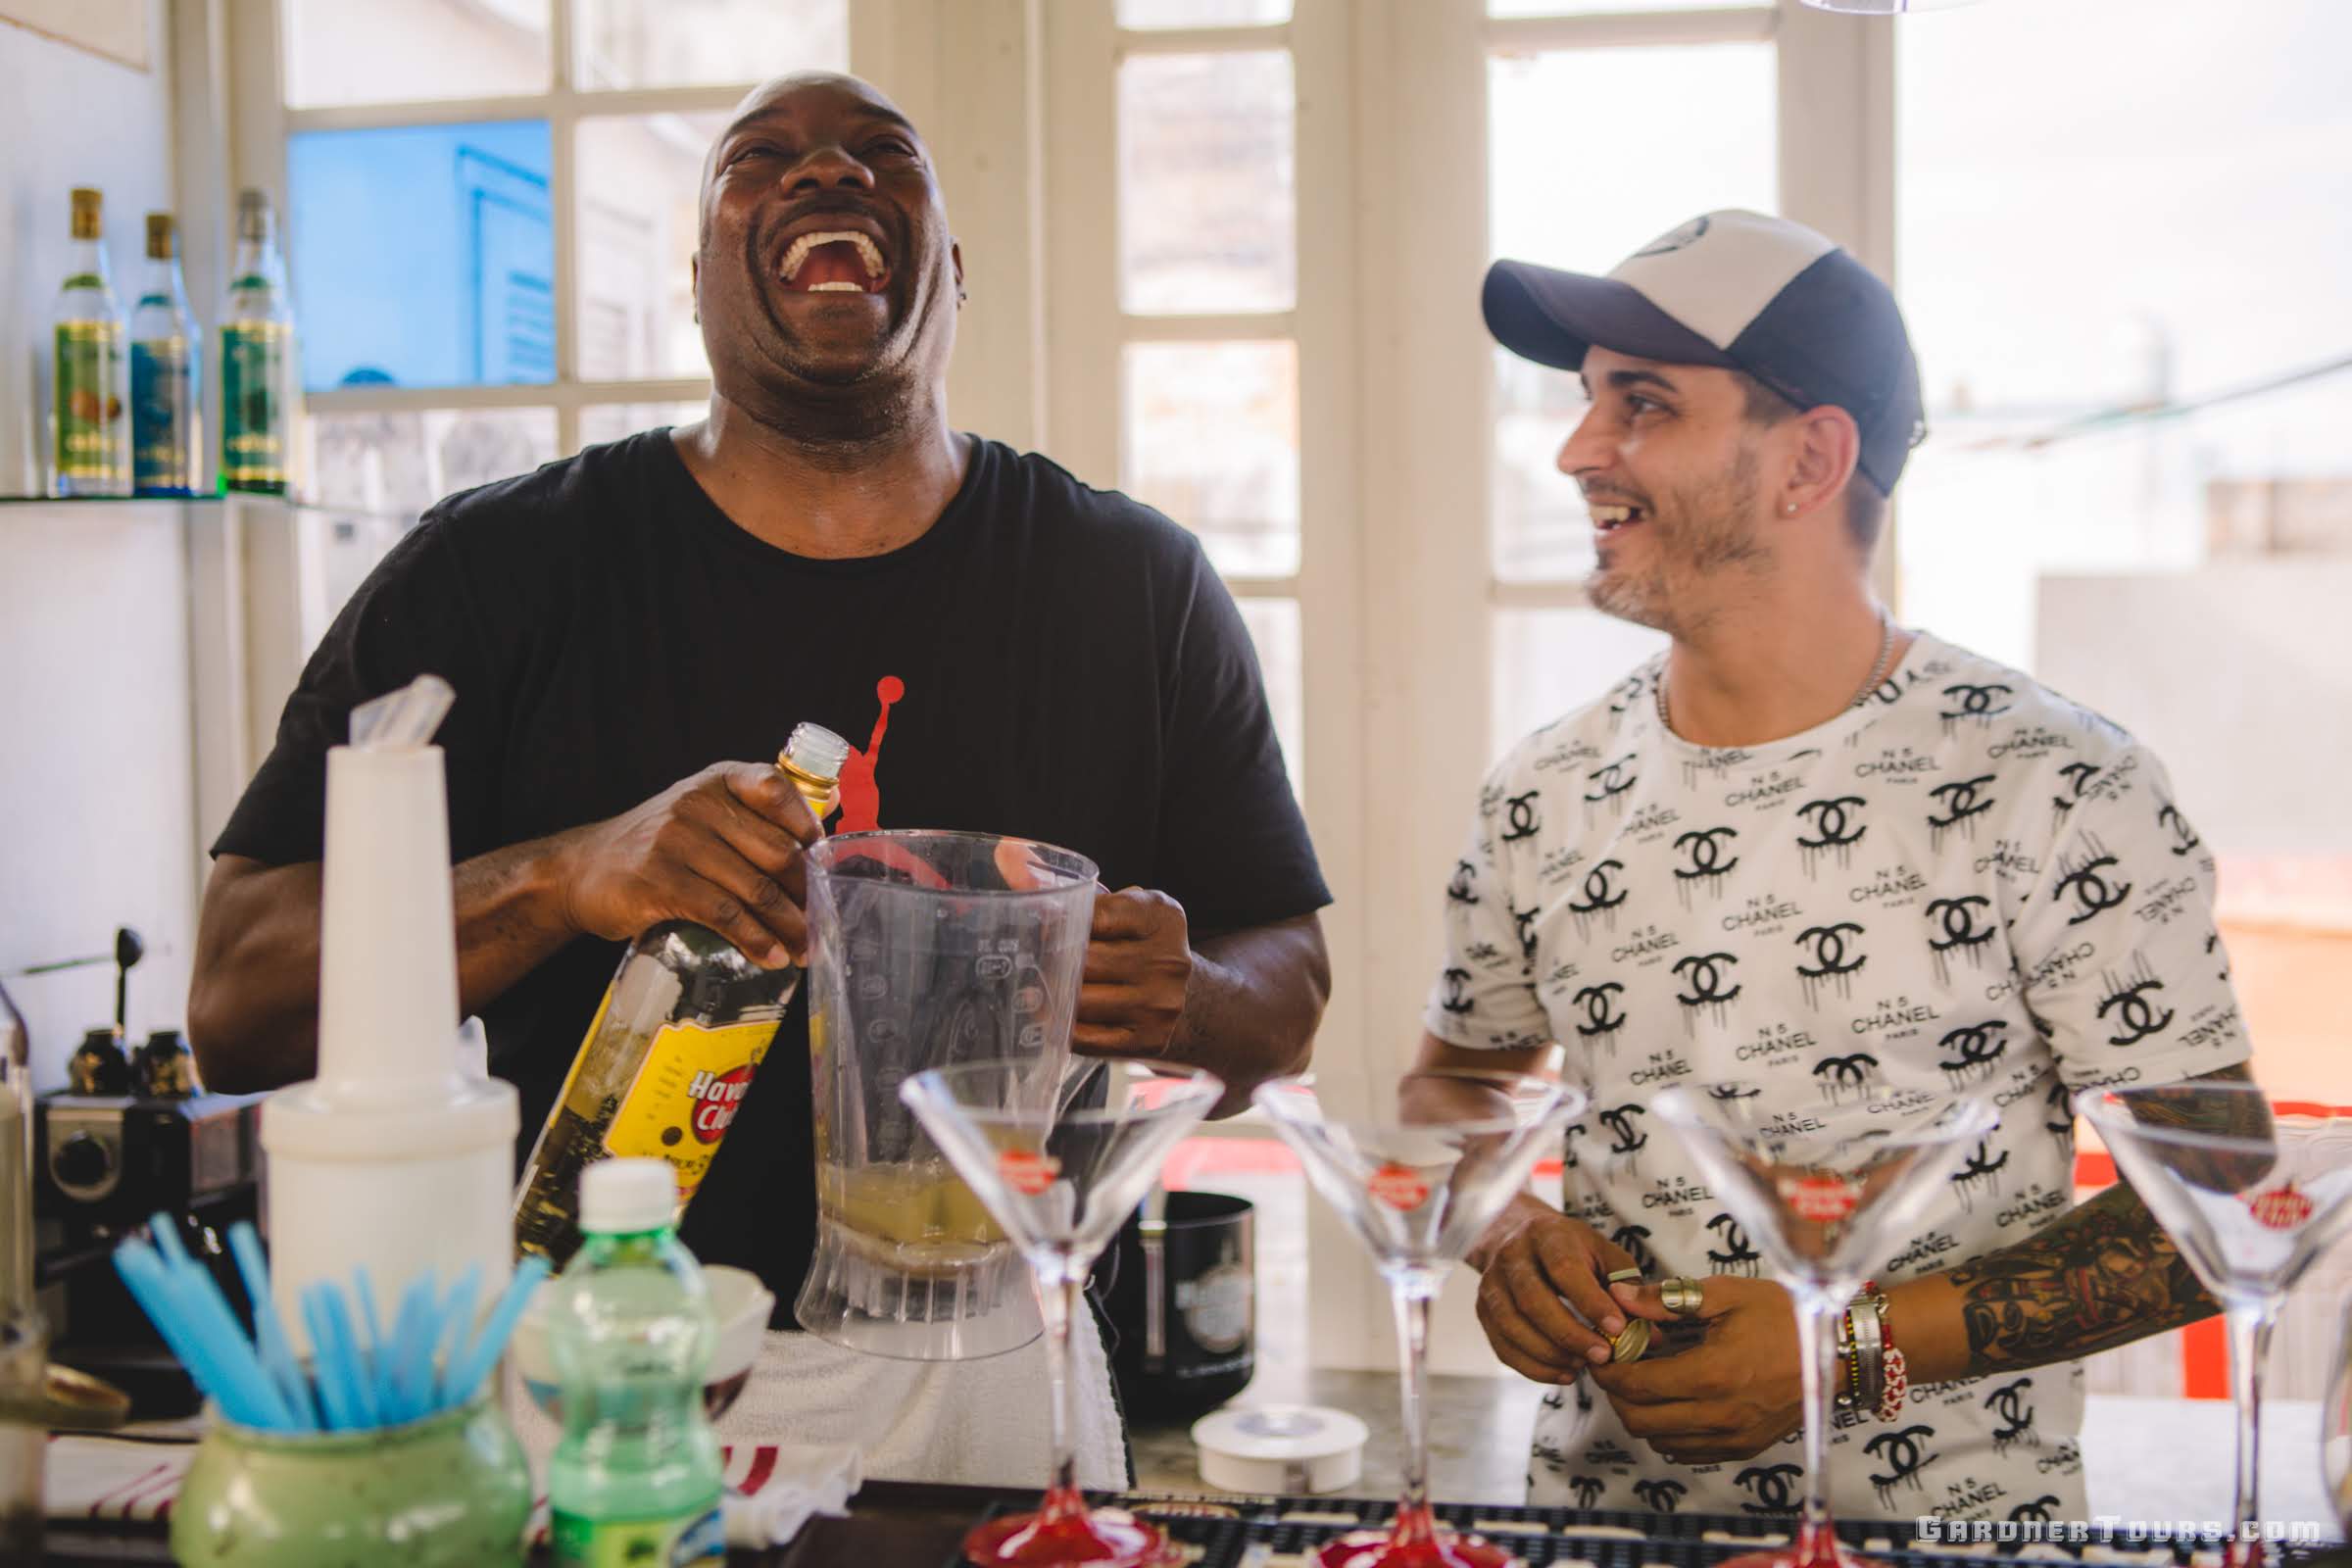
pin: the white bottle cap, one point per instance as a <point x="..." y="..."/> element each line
<point x="624" y="1197"/>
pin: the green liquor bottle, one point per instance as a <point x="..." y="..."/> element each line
<point x="89" y="448"/>
<point x="257" y="357"/>
<point x="167" y="416"/>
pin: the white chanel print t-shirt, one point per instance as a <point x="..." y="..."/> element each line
<point x="1966" y="881"/>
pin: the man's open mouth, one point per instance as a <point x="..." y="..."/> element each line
<point x="1610" y="516"/>
<point x="834" y="260"/>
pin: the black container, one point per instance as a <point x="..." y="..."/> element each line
<point x="1185" y="1305"/>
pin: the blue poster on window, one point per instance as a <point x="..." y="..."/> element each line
<point x="424" y="255"/>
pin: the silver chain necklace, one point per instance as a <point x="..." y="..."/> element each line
<point x="1879" y="672"/>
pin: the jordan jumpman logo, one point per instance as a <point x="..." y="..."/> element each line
<point x="860" y="792"/>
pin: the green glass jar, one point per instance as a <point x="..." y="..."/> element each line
<point x="452" y="1491"/>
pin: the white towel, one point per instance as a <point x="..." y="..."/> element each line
<point x="977" y="1423"/>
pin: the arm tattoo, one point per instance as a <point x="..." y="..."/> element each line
<point x="2102" y="1275"/>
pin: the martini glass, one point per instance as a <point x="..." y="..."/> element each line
<point x="2252" y="1194"/>
<point x="1826" y="1195"/>
<point x="1417" y="1175"/>
<point x="1059" y="1180"/>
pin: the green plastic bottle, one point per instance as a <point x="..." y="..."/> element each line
<point x="636" y="1478"/>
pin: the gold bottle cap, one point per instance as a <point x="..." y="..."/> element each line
<point x="162" y="237"/>
<point x="88" y="210"/>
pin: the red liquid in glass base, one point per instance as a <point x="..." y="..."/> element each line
<point x="1817" y="1546"/>
<point x="1414" y="1541"/>
<point x="1065" y="1530"/>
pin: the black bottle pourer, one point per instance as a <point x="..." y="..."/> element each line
<point x="128" y="951"/>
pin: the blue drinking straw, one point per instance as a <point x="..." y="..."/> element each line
<point x="278" y="1351"/>
<point x="457" y="1322"/>
<point x="357" y="1367"/>
<point x="484" y="1352"/>
<point x="412" y="1332"/>
<point x="164" y="1231"/>
<point x="374" y="1352"/>
<point x="212" y="1347"/>
<point x="334" y="1389"/>
<point x="150" y="1285"/>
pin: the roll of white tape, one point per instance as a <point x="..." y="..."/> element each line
<point x="1280" y="1449"/>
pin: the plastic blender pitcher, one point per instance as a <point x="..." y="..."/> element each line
<point x="928" y="949"/>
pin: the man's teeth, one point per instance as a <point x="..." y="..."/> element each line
<point x="867" y="252"/>
<point x="835" y="288"/>
<point x="1606" y="518"/>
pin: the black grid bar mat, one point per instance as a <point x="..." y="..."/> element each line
<point x="1267" y="1532"/>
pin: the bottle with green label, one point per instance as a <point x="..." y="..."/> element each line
<point x="257" y="357"/>
<point x="89" y="424"/>
<point x="167" y="415"/>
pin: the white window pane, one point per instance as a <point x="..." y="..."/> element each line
<point x="401" y="463"/>
<point x="1590" y="213"/>
<point x="1212" y="438"/>
<point x="384" y="51"/>
<point x="1274" y="627"/>
<point x="1587" y="7"/>
<point x="2181" y="248"/>
<point x="640" y="179"/>
<point x="1207" y="218"/>
<point x="682" y="44"/>
<point x="1143" y="14"/>
<point x="1547" y="661"/>
<point x="600" y="422"/>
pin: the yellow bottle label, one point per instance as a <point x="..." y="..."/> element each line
<point x="687" y="1092"/>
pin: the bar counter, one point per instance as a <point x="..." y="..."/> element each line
<point x="910" y="1525"/>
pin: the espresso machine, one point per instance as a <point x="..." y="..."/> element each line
<point x="130" y="1135"/>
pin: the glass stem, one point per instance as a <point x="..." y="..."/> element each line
<point x="1415" y="1521"/>
<point x="2250" y="1327"/>
<point x="1060" y="1302"/>
<point x="1816" y="1359"/>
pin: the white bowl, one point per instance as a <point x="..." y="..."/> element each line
<point x="739" y="1301"/>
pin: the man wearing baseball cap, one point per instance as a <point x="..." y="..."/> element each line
<point x="1842" y="862"/>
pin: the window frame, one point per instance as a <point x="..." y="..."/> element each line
<point x="1396" y="587"/>
<point x="264" y="121"/>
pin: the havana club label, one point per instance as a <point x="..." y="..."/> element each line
<point x="685" y="1097"/>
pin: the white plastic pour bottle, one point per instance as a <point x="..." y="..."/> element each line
<point x="393" y="1157"/>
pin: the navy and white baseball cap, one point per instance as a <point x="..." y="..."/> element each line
<point x="1741" y="291"/>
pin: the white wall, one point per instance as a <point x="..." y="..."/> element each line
<point x="68" y="118"/>
<point x="2236" y="675"/>
<point x="97" y="827"/>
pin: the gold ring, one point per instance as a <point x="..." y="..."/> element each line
<point x="1632" y="1344"/>
<point x="1619" y="1276"/>
<point x="1681" y="1295"/>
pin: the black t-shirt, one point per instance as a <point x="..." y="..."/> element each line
<point x="1048" y="661"/>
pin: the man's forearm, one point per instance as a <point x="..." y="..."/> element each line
<point x="1251" y="1006"/>
<point x="2102" y="1275"/>
<point x="253" y="1005"/>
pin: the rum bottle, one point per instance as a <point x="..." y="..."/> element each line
<point x="670" y="1053"/>
<point x="257" y="357"/>
<point x="167" y="416"/>
<point x="89" y="427"/>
